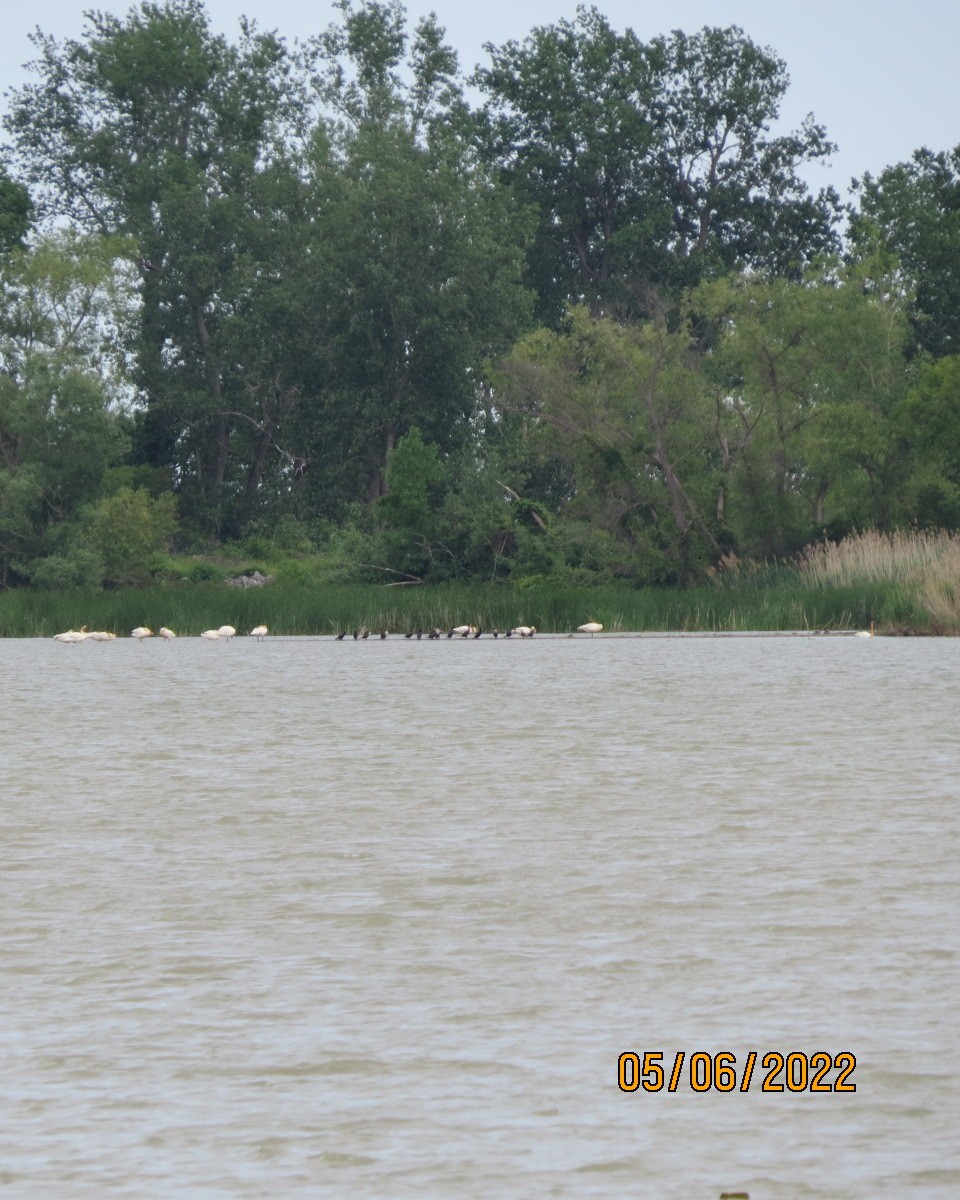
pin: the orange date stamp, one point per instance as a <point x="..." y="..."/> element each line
<point x="702" y="1072"/>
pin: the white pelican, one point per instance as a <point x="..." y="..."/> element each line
<point x="462" y="630"/>
<point x="524" y="630"/>
<point x="101" y="635"/>
<point x="72" y="635"/>
<point x="212" y="635"/>
<point x="141" y="632"/>
<point x="227" y="632"/>
<point x="259" y="632"/>
<point x="591" y="627"/>
<point x="166" y="633"/>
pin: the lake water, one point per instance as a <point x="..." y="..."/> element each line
<point x="373" y="920"/>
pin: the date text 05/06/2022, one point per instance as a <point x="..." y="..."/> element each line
<point x="794" y="1071"/>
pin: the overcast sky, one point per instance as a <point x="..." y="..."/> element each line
<point x="881" y="75"/>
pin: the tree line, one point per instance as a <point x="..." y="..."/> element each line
<point x="575" y="316"/>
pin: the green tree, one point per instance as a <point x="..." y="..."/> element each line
<point x="625" y="406"/>
<point x="650" y="164"/>
<point x="129" y="530"/>
<point x="151" y="125"/>
<point x="927" y="425"/>
<point x="16" y="212"/>
<point x="913" y="210"/>
<point x="806" y="376"/>
<point x="66" y="303"/>
<point x="419" y="272"/>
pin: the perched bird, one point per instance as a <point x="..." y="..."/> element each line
<point x="383" y="635"/>
<point x="227" y="632"/>
<point x="591" y="627"/>
<point x="409" y="635"/>
<point x="212" y="635"/>
<point x="496" y="633"/>
<point x="259" y="632"/>
<point x="166" y="633"/>
<point x="364" y="635"/>
<point x="477" y="634"/>
<point x="434" y="634"/>
<point x="419" y="634"/>
<point x="341" y="635"/>
<point x="356" y="634"/>
<point x="141" y="632"/>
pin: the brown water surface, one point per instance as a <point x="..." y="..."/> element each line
<point x="308" y="918"/>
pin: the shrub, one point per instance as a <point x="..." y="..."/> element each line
<point x="128" y="529"/>
<point x="78" y="567"/>
<point x="203" y="572"/>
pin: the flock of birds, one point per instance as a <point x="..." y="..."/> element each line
<point x="142" y="632"/>
<point x="226" y="632"/>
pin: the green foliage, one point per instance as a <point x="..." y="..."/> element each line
<point x="204" y="572"/>
<point x="129" y="529"/>
<point x="79" y="568"/>
<point x="927" y="424"/>
<point x="16" y="212"/>
<point x="64" y="306"/>
<point x="626" y="406"/>
<point x="912" y="209"/>
<point x="649" y="165"/>
<point x="413" y="471"/>
<point x="296" y="287"/>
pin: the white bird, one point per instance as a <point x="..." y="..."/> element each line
<point x="525" y="630"/>
<point x="464" y="629"/>
<point x="227" y="632"/>
<point x="141" y="632"/>
<point x="212" y="635"/>
<point x="259" y="632"/>
<point x="591" y="627"/>
<point x="72" y="635"/>
<point x="166" y="633"/>
<point x="101" y="635"/>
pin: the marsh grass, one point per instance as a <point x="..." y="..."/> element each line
<point x="872" y="557"/>
<point x="298" y="609"/>
<point x="923" y="565"/>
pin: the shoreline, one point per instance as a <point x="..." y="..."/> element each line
<point x="295" y="609"/>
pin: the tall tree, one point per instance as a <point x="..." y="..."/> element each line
<point x="650" y="164"/>
<point x="913" y="210"/>
<point x="424" y="254"/>
<point x="626" y="406"/>
<point x="16" y="212"/>
<point x="153" y="126"/>
<point x="807" y="376"/>
<point x="62" y="386"/>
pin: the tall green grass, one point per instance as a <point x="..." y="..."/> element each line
<point x="290" y="608"/>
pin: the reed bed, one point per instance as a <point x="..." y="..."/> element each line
<point x="300" y="609"/>
<point x="925" y="565"/>
<point x="873" y="557"/>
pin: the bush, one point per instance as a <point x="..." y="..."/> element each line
<point x="203" y="572"/>
<point x="128" y="530"/>
<point x="77" y="568"/>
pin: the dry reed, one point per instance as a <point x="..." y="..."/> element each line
<point x="927" y="563"/>
<point x="873" y="557"/>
